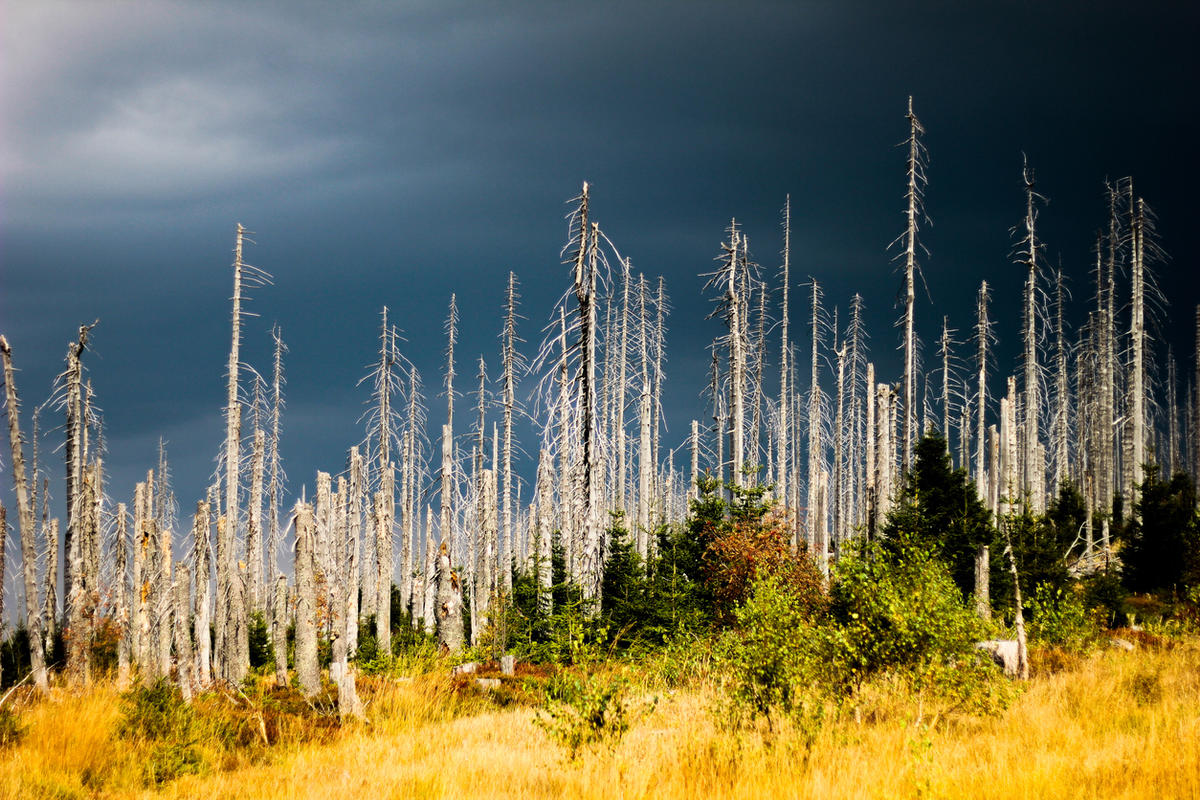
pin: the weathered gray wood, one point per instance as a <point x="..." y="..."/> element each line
<point x="26" y="523"/>
<point x="307" y="670"/>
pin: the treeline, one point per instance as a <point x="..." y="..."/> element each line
<point x="443" y="536"/>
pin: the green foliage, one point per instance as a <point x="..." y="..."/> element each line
<point x="623" y="595"/>
<point x="589" y="713"/>
<point x="1161" y="547"/>
<point x="771" y="659"/>
<point x="11" y="728"/>
<point x="14" y="657"/>
<point x="897" y="610"/>
<point x="157" y="715"/>
<point x="1060" y="618"/>
<point x="1104" y="594"/>
<point x="261" y="654"/>
<point x="940" y="512"/>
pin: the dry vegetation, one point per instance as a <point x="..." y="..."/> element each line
<point x="1115" y="724"/>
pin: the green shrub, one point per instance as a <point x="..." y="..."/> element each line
<point x="771" y="655"/>
<point x="1059" y="618"/>
<point x="1104" y="592"/>
<point x="588" y="713"/>
<point x="11" y="729"/>
<point x="897" y="612"/>
<point x="261" y="653"/>
<point x="158" y="716"/>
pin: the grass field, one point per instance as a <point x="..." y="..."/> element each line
<point x="1117" y="724"/>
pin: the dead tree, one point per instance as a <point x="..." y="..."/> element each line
<point x="446" y="498"/>
<point x="26" y="520"/>
<point x="914" y="196"/>
<point x="307" y="669"/>
<point x="512" y="363"/>
<point x="1031" y="401"/>
<point x="275" y="470"/>
<point x="75" y="457"/>
<point x="279" y="626"/>
<point x="784" y="436"/>
<point x="202" y="559"/>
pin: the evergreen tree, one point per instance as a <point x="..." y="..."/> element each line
<point x="940" y="512"/>
<point x="1161" y="549"/>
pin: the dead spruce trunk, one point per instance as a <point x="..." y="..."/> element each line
<point x="26" y="518"/>
<point x="307" y="669"/>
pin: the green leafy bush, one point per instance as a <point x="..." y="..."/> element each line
<point x="1060" y="619"/>
<point x="11" y="729"/>
<point x="771" y="657"/>
<point x="157" y="715"/>
<point x="897" y="611"/>
<point x="587" y="713"/>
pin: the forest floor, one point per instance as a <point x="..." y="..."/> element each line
<point x="1116" y="724"/>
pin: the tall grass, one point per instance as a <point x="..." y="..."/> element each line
<point x="1116" y="725"/>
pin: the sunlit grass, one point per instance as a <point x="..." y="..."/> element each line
<point x="1118" y="724"/>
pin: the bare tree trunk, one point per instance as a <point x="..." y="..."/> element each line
<point x="75" y="459"/>
<point x="983" y="603"/>
<point x="585" y="261"/>
<point x="446" y="498"/>
<point x="26" y="517"/>
<point x="839" y="454"/>
<point x="307" y="670"/>
<point x="164" y="597"/>
<point x="545" y="529"/>
<point x="1137" y="342"/>
<point x="202" y="555"/>
<point x="1031" y="399"/>
<point x="121" y="593"/>
<point x="183" y="641"/>
<point x="449" y="603"/>
<point x="228" y="627"/>
<point x="429" y="577"/>
<point x="352" y="579"/>
<point x="871" y="484"/>
<point x="279" y="626"/>
<point x="384" y="516"/>
<point x="1022" y="647"/>
<point x="781" y="459"/>
<point x="737" y="362"/>
<point x="1060" y="436"/>
<point x="50" y="538"/>
<point x="512" y="363"/>
<point x="983" y="335"/>
<point x="254" y="526"/>
<point x="485" y="585"/>
<point x="815" y="443"/>
<point x="78" y="634"/>
<point x="274" y="483"/>
<point x="694" y="471"/>
<point x="916" y="182"/>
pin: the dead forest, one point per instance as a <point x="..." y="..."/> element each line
<point x="431" y="509"/>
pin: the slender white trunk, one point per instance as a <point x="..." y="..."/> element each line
<point x="279" y="626"/>
<point x="184" y="664"/>
<point x="201" y="550"/>
<point x="871" y="480"/>
<point x="307" y="669"/>
<point x="227" y="585"/>
<point x="916" y="181"/>
<point x="26" y="519"/>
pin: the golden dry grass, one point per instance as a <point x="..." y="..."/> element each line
<point x="1118" y="725"/>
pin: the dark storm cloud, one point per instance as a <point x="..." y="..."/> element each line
<point x="394" y="153"/>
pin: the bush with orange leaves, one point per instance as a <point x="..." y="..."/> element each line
<point x="751" y="540"/>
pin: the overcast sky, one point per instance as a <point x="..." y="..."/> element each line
<point x="393" y="153"/>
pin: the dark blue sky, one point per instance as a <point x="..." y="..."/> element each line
<point x="395" y="153"/>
